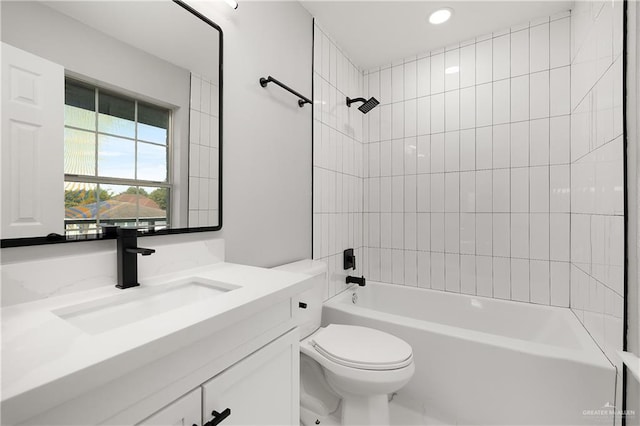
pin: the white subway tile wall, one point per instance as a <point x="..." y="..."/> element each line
<point x="467" y="173"/>
<point x="338" y="156"/>
<point x="596" y="173"/>
<point x="503" y="179"/>
<point x="204" y="150"/>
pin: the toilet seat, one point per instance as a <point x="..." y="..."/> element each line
<point x="362" y="348"/>
<point x="362" y="383"/>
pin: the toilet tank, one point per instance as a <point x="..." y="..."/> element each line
<point x="310" y="317"/>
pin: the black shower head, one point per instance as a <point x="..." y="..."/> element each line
<point x="367" y="105"/>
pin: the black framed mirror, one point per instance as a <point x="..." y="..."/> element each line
<point x="111" y="116"/>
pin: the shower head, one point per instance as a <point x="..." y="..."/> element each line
<point x="367" y="105"/>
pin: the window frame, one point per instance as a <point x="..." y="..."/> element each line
<point x="131" y="182"/>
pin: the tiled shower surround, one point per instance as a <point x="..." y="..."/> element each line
<point x="337" y="160"/>
<point x="204" y="152"/>
<point x="493" y="167"/>
<point x="597" y="187"/>
<point x="468" y="167"/>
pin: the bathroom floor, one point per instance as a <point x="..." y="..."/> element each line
<point x="402" y="412"/>
<point x="405" y="412"/>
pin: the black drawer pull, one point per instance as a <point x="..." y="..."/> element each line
<point x="218" y="417"/>
<point x="302" y="305"/>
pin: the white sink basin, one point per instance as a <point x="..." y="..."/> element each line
<point x="139" y="303"/>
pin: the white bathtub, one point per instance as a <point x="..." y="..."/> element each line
<point x="485" y="361"/>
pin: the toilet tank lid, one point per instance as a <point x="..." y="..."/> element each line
<point x="306" y="266"/>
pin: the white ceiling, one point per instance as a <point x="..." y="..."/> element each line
<point x="374" y="33"/>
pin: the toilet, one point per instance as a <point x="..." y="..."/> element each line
<point x="344" y="366"/>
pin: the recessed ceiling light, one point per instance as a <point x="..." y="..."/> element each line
<point x="440" y="16"/>
<point x="452" y="70"/>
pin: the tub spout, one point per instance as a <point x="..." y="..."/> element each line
<point x="355" y="280"/>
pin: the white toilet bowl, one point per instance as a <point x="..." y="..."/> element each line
<point x="360" y="365"/>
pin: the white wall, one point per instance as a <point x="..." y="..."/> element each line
<point x="337" y="160"/>
<point x="468" y="172"/>
<point x="597" y="203"/>
<point x="266" y="143"/>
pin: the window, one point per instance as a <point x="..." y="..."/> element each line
<point x="116" y="160"/>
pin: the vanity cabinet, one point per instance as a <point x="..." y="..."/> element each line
<point x="183" y="412"/>
<point x="261" y="389"/>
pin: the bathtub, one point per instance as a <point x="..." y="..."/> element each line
<point x="481" y="361"/>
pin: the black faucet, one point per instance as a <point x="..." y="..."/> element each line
<point x="128" y="252"/>
<point x="355" y="280"/>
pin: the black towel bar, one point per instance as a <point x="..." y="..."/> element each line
<point x="303" y="99"/>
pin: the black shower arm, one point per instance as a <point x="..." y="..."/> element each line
<point x="350" y="101"/>
<point x="303" y="99"/>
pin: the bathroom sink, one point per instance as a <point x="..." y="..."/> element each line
<point x="140" y="303"/>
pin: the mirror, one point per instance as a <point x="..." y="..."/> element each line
<point x="111" y="115"/>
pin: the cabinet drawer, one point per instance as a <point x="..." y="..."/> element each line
<point x="186" y="411"/>
<point x="262" y="389"/>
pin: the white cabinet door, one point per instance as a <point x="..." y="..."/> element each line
<point x="32" y="145"/>
<point x="262" y="389"/>
<point x="186" y="411"/>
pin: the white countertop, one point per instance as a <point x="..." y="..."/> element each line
<point x="41" y="351"/>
